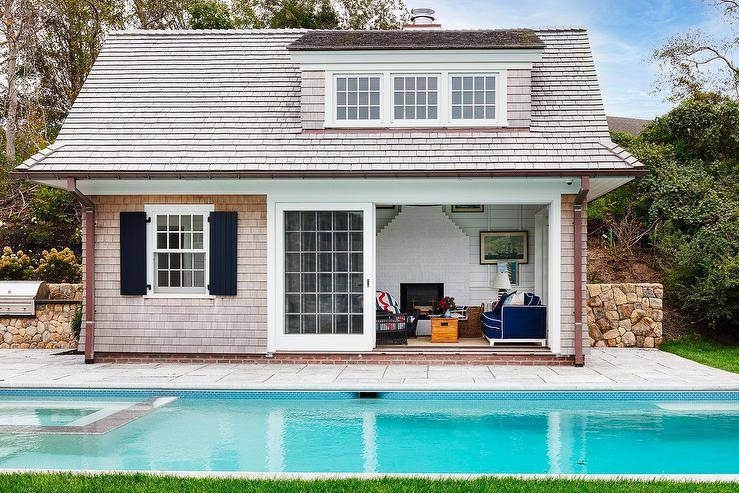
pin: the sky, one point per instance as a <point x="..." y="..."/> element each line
<point x="623" y="35"/>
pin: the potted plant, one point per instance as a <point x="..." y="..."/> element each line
<point x="445" y="306"/>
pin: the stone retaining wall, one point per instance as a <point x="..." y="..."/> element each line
<point x="625" y="315"/>
<point x="50" y="328"/>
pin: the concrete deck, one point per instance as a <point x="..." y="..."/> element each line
<point x="606" y="369"/>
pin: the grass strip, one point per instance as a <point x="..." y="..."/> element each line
<point x="144" y="483"/>
<point x="705" y="352"/>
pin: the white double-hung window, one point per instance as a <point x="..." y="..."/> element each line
<point x="177" y="248"/>
<point x="415" y="99"/>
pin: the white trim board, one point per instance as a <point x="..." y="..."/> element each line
<point x="378" y="190"/>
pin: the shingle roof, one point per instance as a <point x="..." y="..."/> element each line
<point x="633" y="126"/>
<point x="216" y="102"/>
<point x="418" y="40"/>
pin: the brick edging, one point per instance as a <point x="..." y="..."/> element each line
<point x="341" y="358"/>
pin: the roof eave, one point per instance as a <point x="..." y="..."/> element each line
<point x="118" y="175"/>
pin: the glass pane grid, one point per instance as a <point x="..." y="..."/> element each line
<point x="358" y="98"/>
<point x="473" y="97"/>
<point x="415" y="97"/>
<point x="324" y="272"/>
<point x="179" y="254"/>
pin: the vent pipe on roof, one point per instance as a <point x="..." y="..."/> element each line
<point x="422" y="19"/>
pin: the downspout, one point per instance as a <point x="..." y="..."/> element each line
<point x="89" y="218"/>
<point x="577" y="221"/>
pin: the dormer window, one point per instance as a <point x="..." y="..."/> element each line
<point x="416" y="99"/>
<point x="473" y="97"/>
<point x="357" y="97"/>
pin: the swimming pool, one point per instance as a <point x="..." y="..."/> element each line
<point x="488" y="432"/>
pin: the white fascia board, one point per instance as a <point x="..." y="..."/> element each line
<point x="378" y="190"/>
<point x="320" y="60"/>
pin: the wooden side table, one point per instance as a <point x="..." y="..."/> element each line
<point x="444" y="329"/>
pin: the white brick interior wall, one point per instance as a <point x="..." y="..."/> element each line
<point x="479" y="277"/>
<point x="421" y="244"/>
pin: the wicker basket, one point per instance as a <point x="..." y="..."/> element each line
<point x="472" y="327"/>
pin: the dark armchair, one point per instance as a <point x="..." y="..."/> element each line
<point x="392" y="326"/>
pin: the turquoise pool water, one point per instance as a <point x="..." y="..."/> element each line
<point x="413" y="433"/>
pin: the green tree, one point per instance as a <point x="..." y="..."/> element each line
<point x="210" y="14"/>
<point x="698" y="61"/>
<point x="320" y="14"/>
<point x="691" y="194"/>
<point x="158" y="14"/>
<point x="372" y="14"/>
<point x="306" y="14"/>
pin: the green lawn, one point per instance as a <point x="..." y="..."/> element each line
<point x="706" y="352"/>
<point x="140" y="483"/>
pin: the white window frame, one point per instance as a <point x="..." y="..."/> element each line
<point x="153" y="210"/>
<point x="325" y="342"/>
<point x="357" y="123"/>
<point x="466" y="122"/>
<point x="416" y="122"/>
<point x="444" y="111"/>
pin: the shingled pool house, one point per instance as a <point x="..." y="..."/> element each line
<point x="248" y="193"/>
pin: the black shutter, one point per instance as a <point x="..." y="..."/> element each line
<point x="222" y="253"/>
<point x="133" y="253"/>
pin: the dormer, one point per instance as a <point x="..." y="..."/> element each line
<point x="416" y="78"/>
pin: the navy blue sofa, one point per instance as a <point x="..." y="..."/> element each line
<point x="520" y="323"/>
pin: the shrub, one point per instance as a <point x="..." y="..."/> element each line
<point x="689" y="203"/>
<point x="52" y="205"/>
<point x="76" y="323"/>
<point x="15" y="266"/>
<point x="56" y="266"/>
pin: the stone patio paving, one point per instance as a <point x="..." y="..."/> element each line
<point x="606" y="369"/>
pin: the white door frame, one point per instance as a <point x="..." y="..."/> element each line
<point x="326" y="342"/>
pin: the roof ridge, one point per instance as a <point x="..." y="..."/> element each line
<point x="172" y="32"/>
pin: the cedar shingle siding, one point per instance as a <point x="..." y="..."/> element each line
<point x="230" y="324"/>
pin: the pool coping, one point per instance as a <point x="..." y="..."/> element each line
<point x="307" y="476"/>
<point x="364" y="387"/>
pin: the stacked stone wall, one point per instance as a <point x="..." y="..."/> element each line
<point x="625" y="315"/>
<point x="50" y="327"/>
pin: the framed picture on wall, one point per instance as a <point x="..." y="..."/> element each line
<point x="468" y="208"/>
<point x="504" y="246"/>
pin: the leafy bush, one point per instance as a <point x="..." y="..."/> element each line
<point x="689" y="200"/>
<point x="15" y="266"/>
<point x="76" y="322"/>
<point x="52" y="205"/>
<point x="59" y="266"/>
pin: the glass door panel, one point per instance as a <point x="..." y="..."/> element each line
<point x="324" y="272"/>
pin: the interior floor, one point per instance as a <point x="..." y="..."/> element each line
<point x="423" y="343"/>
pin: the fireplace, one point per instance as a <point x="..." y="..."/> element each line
<point x="421" y="296"/>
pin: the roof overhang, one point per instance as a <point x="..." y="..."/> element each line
<point x="147" y="175"/>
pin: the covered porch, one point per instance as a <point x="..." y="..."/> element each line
<point x="421" y="232"/>
<point x="431" y="254"/>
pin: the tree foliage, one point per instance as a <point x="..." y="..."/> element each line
<point x="691" y="192"/>
<point x="697" y="62"/>
<point x="210" y="14"/>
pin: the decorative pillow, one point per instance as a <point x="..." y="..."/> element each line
<point x="501" y="302"/>
<point x="515" y="299"/>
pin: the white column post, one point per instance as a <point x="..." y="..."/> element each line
<point x="555" y="269"/>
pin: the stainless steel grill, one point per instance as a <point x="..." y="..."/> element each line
<point x="18" y="298"/>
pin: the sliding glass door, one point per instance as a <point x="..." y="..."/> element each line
<point x="325" y="270"/>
